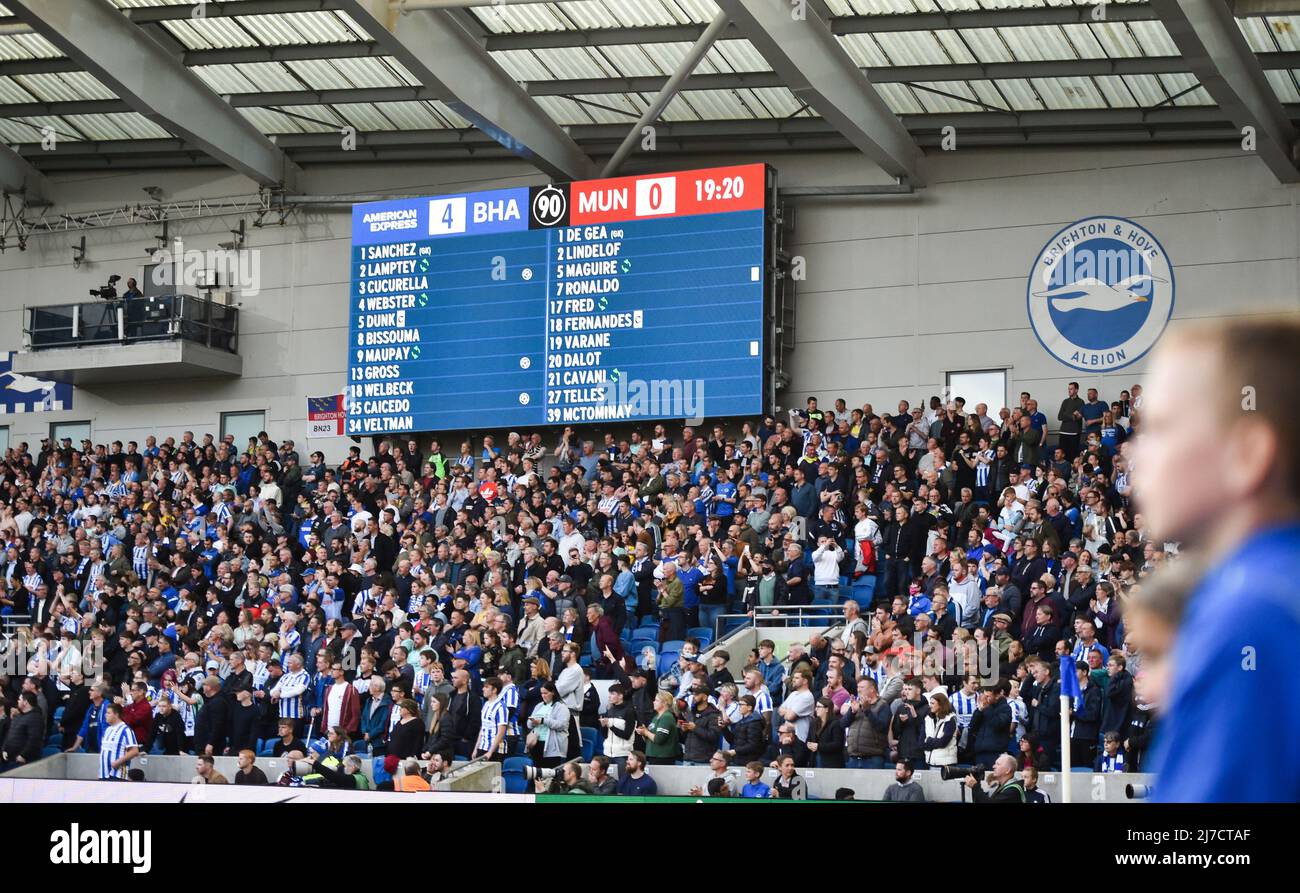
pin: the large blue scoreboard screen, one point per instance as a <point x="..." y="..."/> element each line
<point x="595" y="301"/>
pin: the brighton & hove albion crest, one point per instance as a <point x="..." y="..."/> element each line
<point x="1100" y="293"/>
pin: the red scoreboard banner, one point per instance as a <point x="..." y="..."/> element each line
<point x="681" y="194"/>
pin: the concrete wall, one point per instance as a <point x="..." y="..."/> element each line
<point x="870" y="784"/>
<point x="70" y="777"/>
<point x="899" y="290"/>
<point x="481" y="777"/>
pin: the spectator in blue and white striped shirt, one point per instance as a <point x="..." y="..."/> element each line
<point x="117" y="747"/>
<point x="495" y="722"/>
<point x="510" y="697"/>
<point x="965" y="700"/>
<point x="288" y="692"/>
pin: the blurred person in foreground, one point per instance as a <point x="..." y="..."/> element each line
<point x="1217" y="470"/>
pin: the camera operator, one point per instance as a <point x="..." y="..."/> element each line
<point x="132" y="290"/>
<point x="567" y="779"/>
<point x="1007" y="788"/>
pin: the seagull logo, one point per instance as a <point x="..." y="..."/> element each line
<point x="1097" y="295"/>
<point x="25" y="384"/>
<point x="1100" y="293"/>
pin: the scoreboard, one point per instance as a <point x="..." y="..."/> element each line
<point x="610" y="300"/>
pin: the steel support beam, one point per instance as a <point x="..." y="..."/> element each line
<point x="19" y="177"/>
<point x="685" y="69"/>
<point x="214" y="9"/>
<point x="1217" y="53"/>
<point x="446" y="58"/>
<point x="153" y="83"/>
<point x="817" y="69"/>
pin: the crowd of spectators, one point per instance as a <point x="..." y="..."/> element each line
<point x="411" y="604"/>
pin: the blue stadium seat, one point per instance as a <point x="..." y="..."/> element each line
<point x="674" y="645"/>
<point x="377" y="768"/>
<point x="590" y="743"/>
<point x="514" y="782"/>
<point x="512" y="774"/>
<point x="50" y="750"/>
<point x="644" y="634"/>
<point x="266" y="747"/>
<point x="864" y="590"/>
<point x="703" y="633"/>
<point x="55" y="737"/>
<point x="1087" y="769"/>
<point x="584" y="660"/>
<point x="649" y="621"/>
<point x="515" y="764"/>
<point x="666" y="659"/>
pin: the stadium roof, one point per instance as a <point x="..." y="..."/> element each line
<point x="268" y="86"/>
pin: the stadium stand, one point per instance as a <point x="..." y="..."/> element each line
<point x="927" y="570"/>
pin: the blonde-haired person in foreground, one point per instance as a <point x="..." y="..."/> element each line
<point x="1217" y="470"/>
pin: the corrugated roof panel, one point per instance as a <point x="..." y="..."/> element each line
<point x="27" y="46"/>
<point x="412" y="115"/>
<point x="571" y="62"/>
<point x="988" y="93"/>
<point x="15" y="132"/>
<point x="723" y="105"/>
<point x="138" y="127"/>
<point x="521" y="65"/>
<point x="987" y="45"/>
<point x="298" y="28"/>
<point x="1069" y="93"/>
<point x="1147" y="89"/>
<point x="1256" y="32"/>
<point x="781" y="102"/>
<point x="268" y="76"/>
<point x="213" y="33"/>
<point x="270" y="121"/>
<point x="954" y="46"/>
<point x="501" y="19"/>
<point x="959" y="97"/>
<point x="1153" y="38"/>
<point x="1115" y="92"/>
<point x="364" y="71"/>
<point x="900" y="99"/>
<point x="1283" y="83"/>
<point x="1020" y="93"/>
<point x="65" y="86"/>
<point x="321" y="74"/>
<point x="225" y="78"/>
<point x="1116" y="40"/>
<point x="735" y="55"/>
<point x="565" y="111"/>
<point x="12" y="91"/>
<point x="100" y="127"/>
<point x="636" y="60"/>
<point x="1177" y="83"/>
<point x="1082" y="40"/>
<point x="912" y="48"/>
<point x="1284" y="29"/>
<point x="863" y="50"/>
<point x="363" y="116"/>
<point x="1037" y="43"/>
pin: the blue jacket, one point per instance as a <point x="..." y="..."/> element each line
<point x="375" y="724"/>
<point x="1234" y="653"/>
<point x="159" y="665"/>
<point x="773" y="678"/>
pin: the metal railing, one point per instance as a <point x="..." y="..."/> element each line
<point x="785" y="615"/>
<point x="131" y="321"/>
